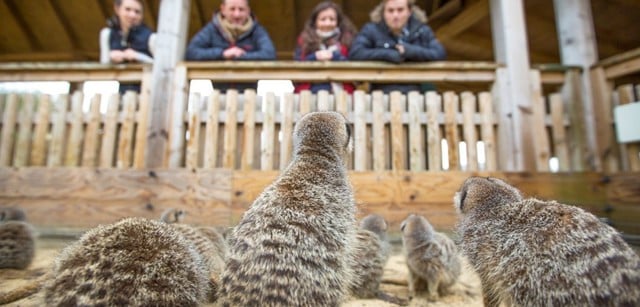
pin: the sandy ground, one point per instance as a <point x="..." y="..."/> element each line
<point x="394" y="280"/>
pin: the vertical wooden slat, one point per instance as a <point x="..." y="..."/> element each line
<point x="249" y="130"/>
<point x="174" y="147"/>
<point x="193" y="127"/>
<point x="558" y="132"/>
<point x="625" y="92"/>
<point x="398" y="142"/>
<point x="360" y="131"/>
<point x="268" y="137"/>
<point x="540" y="137"/>
<point x="342" y="102"/>
<point x="578" y="146"/>
<point x="487" y="131"/>
<point x="23" y="141"/>
<point x="58" y="131"/>
<point x="451" y="128"/>
<point x="603" y="114"/>
<point x="416" y="140"/>
<point x="211" y="140"/>
<point x="90" y="150"/>
<point x="469" y="129"/>
<point x="142" y="127"/>
<point x="38" y="153"/>
<point x="286" y="144"/>
<point x="109" y="132"/>
<point x="434" y="105"/>
<point x="230" y="130"/>
<point x="8" y="129"/>
<point x="74" y="146"/>
<point x="377" y="131"/>
<point x="305" y="102"/>
<point x="125" y="138"/>
<point x="324" y="103"/>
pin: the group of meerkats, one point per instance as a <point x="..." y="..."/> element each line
<point x="299" y="244"/>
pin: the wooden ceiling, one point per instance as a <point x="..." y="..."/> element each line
<point x="63" y="30"/>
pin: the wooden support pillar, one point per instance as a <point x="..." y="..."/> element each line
<point x="577" y="43"/>
<point x="170" y="47"/>
<point x="512" y="89"/>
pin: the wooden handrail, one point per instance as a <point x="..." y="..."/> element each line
<point x="621" y="64"/>
<point x="71" y="71"/>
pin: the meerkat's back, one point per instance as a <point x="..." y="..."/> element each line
<point x="132" y="262"/>
<point x="370" y="254"/>
<point x="533" y="253"/>
<point x="291" y="246"/>
<point x="17" y="239"/>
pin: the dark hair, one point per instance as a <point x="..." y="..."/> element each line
<point x="309" y="37"/>
<point x="113" y="21"/>
<point x="119" y="2"/>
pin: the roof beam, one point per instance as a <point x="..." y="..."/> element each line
<point x="68" y="29"/>
<point x="24" y="25"/>
<point x="470" y="15"/>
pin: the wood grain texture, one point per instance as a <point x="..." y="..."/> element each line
<point x="39" y="148"/>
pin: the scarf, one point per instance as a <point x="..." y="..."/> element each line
<point x="232" y="31"/>
<point x="330" y="42"/>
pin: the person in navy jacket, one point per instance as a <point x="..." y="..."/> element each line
<point x="327" y="36"/>
<point x="126" y="39"/>
<point x="232" y="34"/>
<point x="397" y="33"/>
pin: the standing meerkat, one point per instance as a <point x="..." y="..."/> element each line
<point x="135" y="261"/>
<point x="17" y="239"/>
<point x="370" y="254"/>
<point x="432" y="258"/>
<point x="291" y="246"/>
<point x="530" y="252"/>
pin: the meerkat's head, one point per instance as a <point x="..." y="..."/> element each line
<point x="374" y="223"/>
<point x="481" y="191"/>
<point x="321" y="130"/>
<point x="12" y="214"/>
<point x="416" y="226"/>
<point x="172" y="216"/>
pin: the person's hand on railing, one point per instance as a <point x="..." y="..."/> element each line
<point x="324" y="55"/>
<point x="233" y="52"/>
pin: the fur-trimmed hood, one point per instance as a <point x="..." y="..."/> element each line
<point x="376" y="14"/>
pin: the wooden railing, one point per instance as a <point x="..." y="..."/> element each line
<point x="608" y="79"/>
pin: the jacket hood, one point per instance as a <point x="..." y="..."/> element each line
<point x="376" y="14"/>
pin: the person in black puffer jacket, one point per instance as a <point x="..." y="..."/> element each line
<point x="397" y="33"/>
<point x="233" y="34"/>
<point x="126" y="39"/>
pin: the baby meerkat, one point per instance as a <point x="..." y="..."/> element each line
<point x="369" y="257"/>
<point x="432" y="258"/>
<point x="530" y="252"/>
<point x="291" y="247"/>
<point x="17" y="239"/>
<point x="135" y="261"/>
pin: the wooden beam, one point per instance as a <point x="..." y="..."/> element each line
<point x="66" y="25"/>
<point x="171" y="43"/>
<point x="24" y="25"/>
<point x="201" y="14"/>
<point x="578" y="47"/>
<point x="470" y="15"/>
<point x="512" y="90"/>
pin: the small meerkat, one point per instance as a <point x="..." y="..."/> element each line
<point x="17" y="239"/>
<point x="369" y="257"/>
<point x="291" y="247"/>
<point x="432" y="258"/>
<point x="135" y="261"/>
<point x="530" y="252"/>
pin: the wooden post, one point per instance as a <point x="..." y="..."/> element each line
<point x="171" y="42"/>
<point x="577" y="42"/>
<point x="512" y="90"/>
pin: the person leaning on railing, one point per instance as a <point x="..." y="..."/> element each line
<point x="126" y="39"/>
<point x="397" y="33"/>
<point x="327" y="36"/>
<point x="233" y="34"/>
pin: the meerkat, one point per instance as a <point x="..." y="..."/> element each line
<point x="135" y="261"/>
<point x="432" y="259"/>
<point x="530" y="252"/>
<point x="17" y="239"/>
<point x="207" y="240"/>
<point x="291" y="246"/>
<point x="370" y="254"/>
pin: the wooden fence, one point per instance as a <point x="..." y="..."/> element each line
<point x="248" y="132"/>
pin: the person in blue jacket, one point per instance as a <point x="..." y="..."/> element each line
<point x="233" y="34"/>
<point x="126" y="39"/>
<point x="397" y="33"/>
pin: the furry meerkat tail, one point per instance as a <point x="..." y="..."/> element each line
<point x="25" y="291"/>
